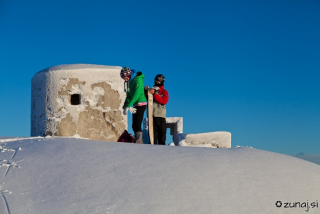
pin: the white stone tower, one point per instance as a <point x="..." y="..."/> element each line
<point x="78" y="100"/>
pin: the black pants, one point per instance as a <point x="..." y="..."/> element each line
<point x="137" y="118"/>
<point x="159" y="130"/>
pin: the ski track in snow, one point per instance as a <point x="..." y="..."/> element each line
<point x="15" y="150"/>
<point x="5" y="200"/>
<point x="9" y="164"/>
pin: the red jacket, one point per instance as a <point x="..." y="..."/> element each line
<point x="161" y="97"/>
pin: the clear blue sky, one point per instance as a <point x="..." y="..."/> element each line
<point x="248" y="67"/>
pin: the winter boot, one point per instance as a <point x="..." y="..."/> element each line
<point x="138" y="137"/>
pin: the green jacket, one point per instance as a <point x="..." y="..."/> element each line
<point x="136" y="93"/>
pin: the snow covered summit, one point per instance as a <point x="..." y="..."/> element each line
<point x="65" y="175"/>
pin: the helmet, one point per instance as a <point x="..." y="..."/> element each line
<point x="159" y="78"/>
<point x="125" y="72"/>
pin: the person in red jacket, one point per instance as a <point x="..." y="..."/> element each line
<point x="160" y="99"/>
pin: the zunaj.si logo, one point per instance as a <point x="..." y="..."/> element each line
<point x="304" y="205"/>
<point x="278" y="204"/>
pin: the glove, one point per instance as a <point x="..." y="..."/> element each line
<point x="132" y="110"/>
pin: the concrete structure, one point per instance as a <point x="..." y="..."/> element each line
<point x="78" y="100"/>
<point x="220" y="139"/>
<point x="209" y="139"/>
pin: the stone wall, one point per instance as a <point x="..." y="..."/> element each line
<point x="78" y="100"/>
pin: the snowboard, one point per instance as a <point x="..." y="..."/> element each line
<point x="150" y="117"/>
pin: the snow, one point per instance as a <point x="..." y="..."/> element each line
<point x="68" y="175"/>
<point x="218" y="139"/>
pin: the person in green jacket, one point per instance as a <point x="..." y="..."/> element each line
<point x="136" y="98"/>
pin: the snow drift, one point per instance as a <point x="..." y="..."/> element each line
<point x="65" y="175"/>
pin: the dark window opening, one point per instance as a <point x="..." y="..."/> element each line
<point x="75" y="99"/>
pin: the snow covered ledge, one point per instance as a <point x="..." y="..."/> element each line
<point x="176" y="127"/>
<point x="219" y="139"/>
